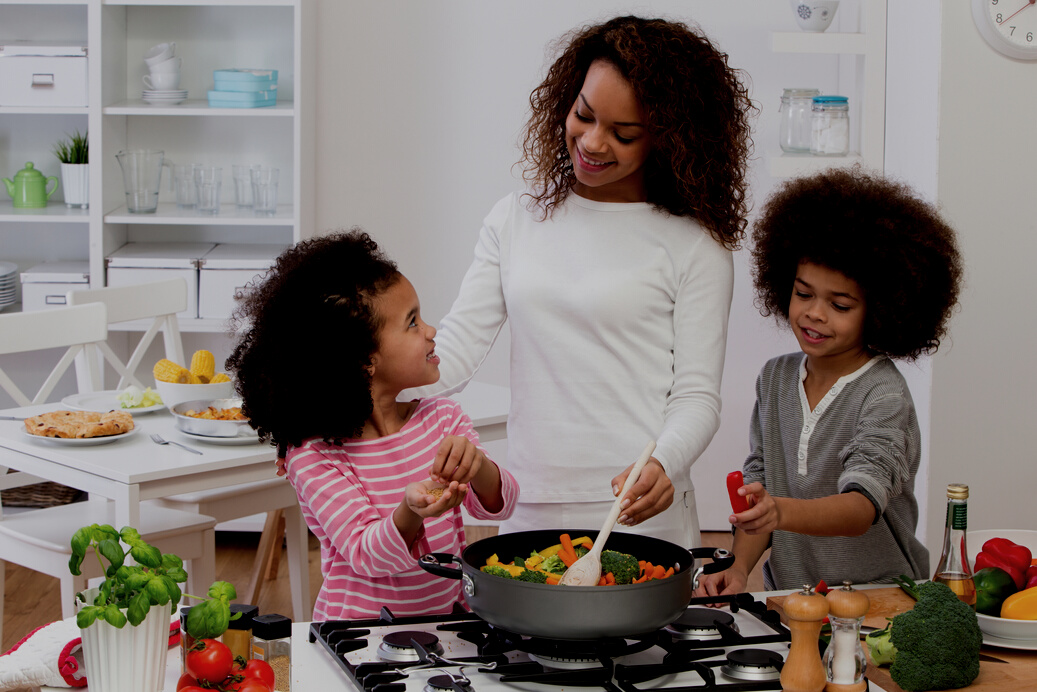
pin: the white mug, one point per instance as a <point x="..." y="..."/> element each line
<point x="162" y="81"/>
<point x="171" y="65"/>
<point x="159" y="53"/>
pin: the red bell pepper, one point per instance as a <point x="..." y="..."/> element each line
<point x="739" y="503"/>
<point x="1031" y="576"/>
<point x="1012" y="553"/>
<point x="985" y="559"/>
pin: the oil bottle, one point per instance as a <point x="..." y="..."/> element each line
<point x="953" y="569"/>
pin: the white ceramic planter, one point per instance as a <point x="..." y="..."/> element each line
<point x="75" y="180"/>
<point x="131" y="659"/>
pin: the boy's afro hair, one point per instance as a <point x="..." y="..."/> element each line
<point x="877" y="232"/>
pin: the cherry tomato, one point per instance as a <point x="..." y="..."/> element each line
<point x="258" y="669"/>
<point x="186" y="680"/>
<point x="210" y="661"/>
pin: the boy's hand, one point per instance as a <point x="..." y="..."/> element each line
<point x="651" y="494"/>
<point x="730" y="581"/>
<point x="763" y="515"/>
<point x="420" y="499"/>
<point x="458" y="459"/>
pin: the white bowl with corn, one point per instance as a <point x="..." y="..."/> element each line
<point x="177" y="384"/>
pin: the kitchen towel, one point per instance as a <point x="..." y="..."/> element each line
<point x="52" y="655"/>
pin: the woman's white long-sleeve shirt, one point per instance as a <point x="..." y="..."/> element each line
<point x="618" y="316"/>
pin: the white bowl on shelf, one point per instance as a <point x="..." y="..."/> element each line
<point x="1003" y="628"/>
<point x="814" y="15"/>
<point x="173" y="394"/>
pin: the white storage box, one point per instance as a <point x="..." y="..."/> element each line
<point x="45" y="285"/>
<point x="141" y="263"/>
<point x="43" y="74"/>
<point x="226" y="270"/>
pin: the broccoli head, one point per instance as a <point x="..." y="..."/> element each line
<point x="554" y="565"/>
<point x="880" y="649"/>
<point x="624" y="567"/>
<point x="580" y="550"/>
<point x="533" y="576"/>
<point x="937" y="642"/>
<point x="497" y="571"/>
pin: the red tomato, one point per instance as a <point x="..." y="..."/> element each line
<point x="252" y="685"/>
<point x="209" y="660"/>
<point x="258" y="669"/>
<point x="193" y="688"/>
<point x="186" y="680"/>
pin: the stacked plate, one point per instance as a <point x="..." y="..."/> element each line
<point x="8" y="275"/>
<point x="164" y="97"/>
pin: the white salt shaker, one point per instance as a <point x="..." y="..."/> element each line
<point x="830" y="126"/>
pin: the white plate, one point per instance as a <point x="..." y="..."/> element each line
<point x="163" y="102"/>
<point x="103" y="402"/>
<point x="81" y="442"/>
<point x="240" y="440"/>
<point x="1022" y="644"/>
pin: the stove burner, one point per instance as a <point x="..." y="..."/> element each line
<point x="702" y="624"/>
<point x="439" y="683"/>
<point x="397" y="647"/>
<point x="753" y="664"/>
<point x="566" y="662"/>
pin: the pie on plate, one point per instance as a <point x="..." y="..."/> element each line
<point x="79" y="424"/>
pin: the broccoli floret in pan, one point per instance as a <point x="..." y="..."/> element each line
<point x="554" y="565"/>
<point x="624" y="567"/>
<point x="497" y="571"/>
<point x="533" y="576"/>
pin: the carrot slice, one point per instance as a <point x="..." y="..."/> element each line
<point x="567" y="544"/>
<point x="553" y="579"/>
<point x="609" y="578"/>
<point x="659" y="572"/>
<point x="602" y="581"/>
<point x="567" y="557"/>
<point x="669" y="573"/>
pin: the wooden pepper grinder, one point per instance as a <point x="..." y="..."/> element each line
<point x="803" y="670"/>
<point x="844" y="659"/>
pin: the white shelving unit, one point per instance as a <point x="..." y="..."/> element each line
<point x="867" y="74"/>
<point x="269" y="34"/>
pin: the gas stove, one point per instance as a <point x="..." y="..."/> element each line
<point x="737" y="648"/>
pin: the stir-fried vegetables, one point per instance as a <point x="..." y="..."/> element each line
<point x="548" y="565"/>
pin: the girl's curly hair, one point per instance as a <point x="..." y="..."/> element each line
<point x="697" y="114"/>
<point x="875" y="231"/>
<point x="307" y="333"/>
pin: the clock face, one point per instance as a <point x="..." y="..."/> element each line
<point x="1009" y="26"/>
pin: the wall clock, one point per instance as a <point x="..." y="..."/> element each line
<point x="1009" y="26"/>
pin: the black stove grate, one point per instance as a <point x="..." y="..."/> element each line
<point x="342" y="637"/>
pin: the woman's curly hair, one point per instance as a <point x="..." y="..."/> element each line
<point x="875" y="231"/>
<point x="307" y="333"/>
<point x="697" y="114"/>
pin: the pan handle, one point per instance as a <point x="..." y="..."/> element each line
<point x="722" y="559"/>
<point x="437" y="564"/>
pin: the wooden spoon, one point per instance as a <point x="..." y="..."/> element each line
<point x="587" y="570"/>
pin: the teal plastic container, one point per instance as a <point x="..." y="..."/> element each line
<point x="240" y="79"/>
<point x="242" y="99"/>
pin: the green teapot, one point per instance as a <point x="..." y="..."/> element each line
<point x="28" y="190"/>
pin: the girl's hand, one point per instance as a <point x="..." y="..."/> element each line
<point x="420" y="500"/>
<point x="282" y="465"/>
<point x="730" y="581"/>
<point x="651" y="494"/>
<point x="763" y="515"/>
<point x="458" y="459"/>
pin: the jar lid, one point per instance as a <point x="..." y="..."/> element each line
<point x="800" y="93"/>
<point x="831" y="100"/>
<point x="958" y="491"/>
<point x="272" y="626"/>
<point x="248" y="612"/>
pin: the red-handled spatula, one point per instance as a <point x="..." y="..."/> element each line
<point x="587" y="570"/>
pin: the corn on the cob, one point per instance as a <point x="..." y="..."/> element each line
<point x="220" y="377"/>
<point x="203" y="365"/>
<point x="168" y="371"/>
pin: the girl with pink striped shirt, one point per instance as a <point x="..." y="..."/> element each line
<point x="330" y="338"/>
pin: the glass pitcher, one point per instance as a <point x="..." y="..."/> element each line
<point x="142" y="174"/>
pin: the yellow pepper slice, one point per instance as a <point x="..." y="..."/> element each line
<point x="1021" y="605"/>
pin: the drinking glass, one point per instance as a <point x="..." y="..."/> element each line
<point x="141" y="174"/>
<point x="243" y="185"/>
<point x="186" y="190"/>
<point x="264" y="190"/>
<point x="207" y="180"/>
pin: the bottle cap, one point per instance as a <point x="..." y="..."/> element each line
<point x="957" y="491"/>
<point x="248" y="612"/>
<point x="272" y="626"/>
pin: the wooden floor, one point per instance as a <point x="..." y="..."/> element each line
<point x="31" y="599"/>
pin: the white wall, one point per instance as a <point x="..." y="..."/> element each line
<point x="984" y="384"/>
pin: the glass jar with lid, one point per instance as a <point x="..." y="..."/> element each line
<point x="794" y="122"/>
<point x="830" y="126"/>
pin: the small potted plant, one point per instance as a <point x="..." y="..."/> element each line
<point x="74" y="155"/>
<point x="143" y="592"/>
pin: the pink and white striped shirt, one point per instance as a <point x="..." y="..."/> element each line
<point x="347" y="495"/>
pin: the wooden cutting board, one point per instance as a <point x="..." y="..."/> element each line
<point x="1018" y="672"/>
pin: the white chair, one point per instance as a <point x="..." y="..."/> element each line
<point x="161" y="301"/>
<point x="39" y="539"/>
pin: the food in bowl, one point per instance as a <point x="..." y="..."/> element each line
<point x="1009" y="629"/>
<point x="213" y="413"/>
<point x="79" y="424"/>
<point x="211" y="427"/>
